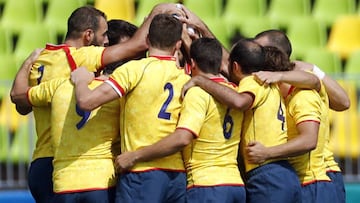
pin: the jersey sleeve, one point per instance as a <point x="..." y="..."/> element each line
<point x="90" y="57"/>
<point x="305" y="106"/>
<point x="193" y="110"/>
<point x="126" y="78"/>
<point x="41" y="95"/>
<point x="249" y="85"/>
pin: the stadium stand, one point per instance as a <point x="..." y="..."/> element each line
<point x="344" y="35"/>
<point x="328" y="61"/>
<point x="248" y="17"/>
<point x="116" y="9"/>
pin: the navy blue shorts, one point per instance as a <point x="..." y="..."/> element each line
<point x="40" y="179"/>
<point x="273" y="182"/>
<point x="338" y="181"/>
<point x="151" y="186"/>
<point x="95" y="196"/>
<point x="223" y="194"/>
<point x="320" y="191"/>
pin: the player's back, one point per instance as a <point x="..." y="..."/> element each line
<point x="151" y="105"/>
<point x="309" y="166"/>
<point x="215" y="149"/>
<point x="82" y="140"/>
<point x="265" y="120"/>
<point x="57" y="61"/>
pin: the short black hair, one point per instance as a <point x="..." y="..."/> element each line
<point x="207" y="53"/>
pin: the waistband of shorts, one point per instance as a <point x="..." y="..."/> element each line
<point x="266" y="167"/>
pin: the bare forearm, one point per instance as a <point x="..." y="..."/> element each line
<point x="171" y="144"/>
<point x="224" y="94"/>
<point x="301" y="79"/>
<point x="20" y="85"/>
<point x="294" y="147"/>
<point x="83" y="96"/>
<point x="338" y="98"/>
<point x="305" y="141"/>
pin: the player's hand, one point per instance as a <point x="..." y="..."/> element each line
<point x="169" y="8"/>
<point x="267" y="77"/>
<point x="188" y="85"/>
<point x="81" y="75"/>
<point x="124" y="162"/>
<point x="256" y="153"/>
<point x="35" y="54"/>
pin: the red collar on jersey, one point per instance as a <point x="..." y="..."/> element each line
<point x="170" y="58"/>
<point x="55" y="47"/>
<point x="221" y="79"/>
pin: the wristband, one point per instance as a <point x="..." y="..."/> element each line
<point x="318" y="72"/>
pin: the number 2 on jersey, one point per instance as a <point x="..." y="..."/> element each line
<point x="163" y="114"/>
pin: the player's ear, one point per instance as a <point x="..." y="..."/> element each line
<point x="88" y="35"/>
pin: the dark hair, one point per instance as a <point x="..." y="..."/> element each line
<point x="85" y="17"/>
<point x="277" y="60"/>
<point x="207" y="53"/>
<point x="164" y="31"/>
<point x="249" y="55"/>
<point x="276" y="38"/>
<point x="118" y="29"/>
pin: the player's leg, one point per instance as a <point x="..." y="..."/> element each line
<point x="40" y="179"/>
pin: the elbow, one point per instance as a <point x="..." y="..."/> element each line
<point x="85" y="105"/>
<point x="341" y="105"/>
<point x="13" y="96"/>
<point x="311" y="145"/>
<point x="183" y="142"/>
<point x="345" y="104"/>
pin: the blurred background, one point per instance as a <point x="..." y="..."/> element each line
<point x="323" y="32"/>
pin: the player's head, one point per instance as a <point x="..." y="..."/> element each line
<point x="119" y="31"/>
<point x="274" y="38"/>
<point x="206" y="53"/>
<point x="89" y="24"/>
<point x="246" y="57"/>
<point x="165" y="32"/>
<point x="277" y="60"/>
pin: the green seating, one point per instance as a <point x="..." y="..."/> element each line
<point x="237" y="12"/>
<point x="58" y="11"/>
<point x="326" y="60"/>
<point x="327" y="11"/>
<point x="306" y="33"/>
<point x="30" y="38"/>
<point x="116" y="9"/>
<point x="205" y="9"/>
<point x="6" y="43"/>
<point x="282" y="12"/>
<point x="352" y="66"/>
<point x="20" y="13"/>
<point x="344" y="37"/>
<point x="253" y="26"/>
<point x="144" y="7"/>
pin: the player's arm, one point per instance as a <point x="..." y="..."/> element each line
<point x="20" y="86"/>
<point x="304" y="142"/>
<point x="137" y="43"/>
<point x="226" y="95"/>
<point x="171" y="144"/>
<point x="195" y="22"/>
<point x="86" y="98"/>
<point x="297" y="78"/>
<point x="338" y="98"/>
